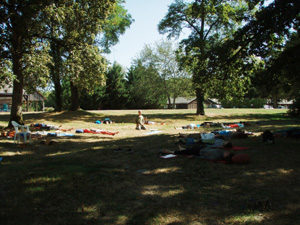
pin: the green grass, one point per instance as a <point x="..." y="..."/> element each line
<point x="82" y="180"/>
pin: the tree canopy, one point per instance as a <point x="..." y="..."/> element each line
<point x="210" y="23"/>
<point x="36" y="36"/>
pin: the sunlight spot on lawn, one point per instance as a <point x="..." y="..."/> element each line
<point x="162" y="170"/>
<point x="89" y="211"/>
<point x="16" y="153"/>
<point x="280" y="171"/>
<point x="42" y="180"/>
<point x="57" y="154"/>
<point x="285" y="171"/>
<point x="122" y="219"/>
<point x="171" y="217"/>
<point x="35" y="189"/>
<point x="225" y="187"/>
<point x="162" y="192"/>
<point x="257" y="217"/>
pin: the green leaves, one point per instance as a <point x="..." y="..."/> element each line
<point x="85" y="67"/>
<point x="211" y="23"/>
<point x="36" y="63"/>
<point x="6" y="74"/>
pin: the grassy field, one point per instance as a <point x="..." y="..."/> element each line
<point x="84" y="180"/>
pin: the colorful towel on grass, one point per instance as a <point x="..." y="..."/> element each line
<point x="99" y="132"/>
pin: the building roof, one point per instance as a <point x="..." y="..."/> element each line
<point x="285" y="102"/>
<point x="7" y="91"/>
<point x="281" y="102"/>
<point x="182" y="100"/>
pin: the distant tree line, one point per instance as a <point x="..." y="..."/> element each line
<point x="153" y="80"/>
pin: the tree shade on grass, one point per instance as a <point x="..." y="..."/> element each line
<point x="84" y="180"/>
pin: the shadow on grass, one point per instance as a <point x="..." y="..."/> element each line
<point x="77" y="181"/>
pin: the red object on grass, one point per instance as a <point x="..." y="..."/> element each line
<point x="238" y="148"/>
<point x="99" y="132"/>
<point x="240" y="158"/>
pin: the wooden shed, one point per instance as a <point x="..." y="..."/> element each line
<point x="191" y="103"/>
<point x="33" y="101"/>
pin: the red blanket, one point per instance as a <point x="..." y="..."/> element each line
<point x="99" y="132"/>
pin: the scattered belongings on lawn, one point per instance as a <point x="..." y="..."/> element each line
<point x="45" y="127"/>
<point x="153" y="131"/>
<point x="168" y="156"/>
<point x="210" y="124"/>
<point x="189" y="126"/>
<point x="208" y="147"/>
<point x="95" y="131"/>
<point x="208" y="138"/>
<point x="21" y="131"/>
<point x="232" y="125"/>
<point x="234" y="133"/>
<point x="213" y="124"/>
<point x="105" y="121"/>
<point x="148" y="122"/>
<point x="57" y="134"/>
<point x="42" y="126"/>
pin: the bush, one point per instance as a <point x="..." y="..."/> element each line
<point x="244" y="103"/>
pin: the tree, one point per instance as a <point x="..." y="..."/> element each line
<point x="176" y="81"/>
<point x="80" y="23"/>
<point x="20" y="29"/>
<point x="145" y="86"/>
<point x="210" y="23"/>
<point x="272" y="35"/>
<point x="84" y="69"/>
<point x="6" y="75"/>
<point x="115" y="92"/>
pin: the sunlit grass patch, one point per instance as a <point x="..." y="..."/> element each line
<point x="163" y="192"/>
<point x="162" y="170"/>
<point x="58" y="154"/>
<point x="15" y="153"/>
<point x="42" y="180"/>
<point x="246" y="219"/>
<point x="33" y="190"/>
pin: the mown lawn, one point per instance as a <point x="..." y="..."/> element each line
<point x="84" y="180"/>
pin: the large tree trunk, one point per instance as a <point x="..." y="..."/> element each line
<point x="275" y="101"/>
<point x="173" y="104"/>
<point x="17" y="98"/>
<point x="169" y="102"/>
<point x="200" y="101"/>
<point x="55" y="74"/>
<point x="74" y="97"/>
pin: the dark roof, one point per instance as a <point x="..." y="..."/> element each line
<point x="182" y="100"/>
<point x="8" y="92"/>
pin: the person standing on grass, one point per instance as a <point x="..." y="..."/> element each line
<point x="140" y="121"/>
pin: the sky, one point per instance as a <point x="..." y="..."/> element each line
<point x="147" y="15"/>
